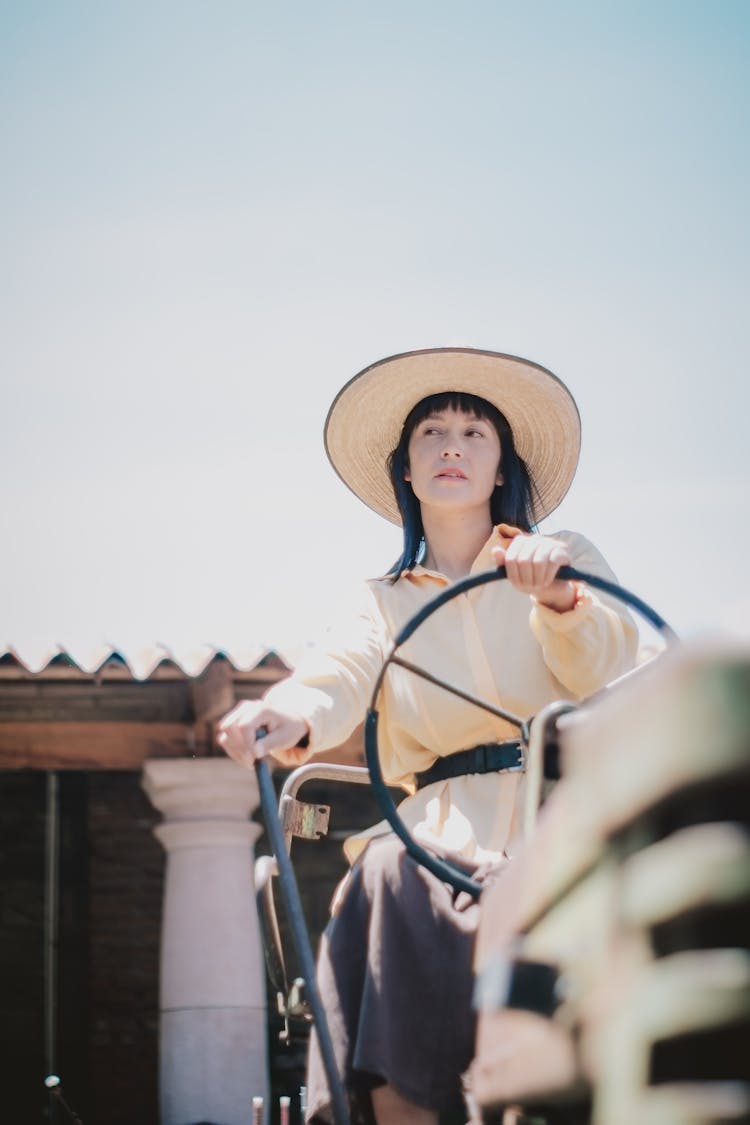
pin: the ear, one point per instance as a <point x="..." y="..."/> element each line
<point x="500" y="479"/>
<point x="407" y="473"/>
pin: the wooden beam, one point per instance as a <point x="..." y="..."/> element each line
<point x="94" y="746"/>
<point x="49" y="701"/>
<point x="120" y="745"/>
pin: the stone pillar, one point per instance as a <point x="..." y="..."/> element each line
<point x="213" y="1053"/>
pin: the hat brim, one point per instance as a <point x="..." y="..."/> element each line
<point x="366" y="418"/>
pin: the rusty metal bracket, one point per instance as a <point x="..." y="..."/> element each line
<point x="298" y="818"/>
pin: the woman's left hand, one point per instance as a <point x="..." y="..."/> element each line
<point x="532" y="563"/>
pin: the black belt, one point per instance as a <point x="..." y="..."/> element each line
<point x="492" y="757"/>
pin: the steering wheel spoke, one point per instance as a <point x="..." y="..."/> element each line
<point x="484" y="704"/>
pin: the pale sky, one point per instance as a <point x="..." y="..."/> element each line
<point x="213" y="215"/>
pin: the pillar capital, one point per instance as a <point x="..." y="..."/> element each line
<point x="200" y="788"/>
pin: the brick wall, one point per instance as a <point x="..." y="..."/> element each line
<point x="125" y="871"/>
<point x="22" y="805"/>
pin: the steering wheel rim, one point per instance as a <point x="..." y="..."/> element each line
<point x="447" y="870"/>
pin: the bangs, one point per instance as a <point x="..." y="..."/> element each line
<point x="460" y="401"/>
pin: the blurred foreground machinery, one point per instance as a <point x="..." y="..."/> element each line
<point x="613" y="960"/>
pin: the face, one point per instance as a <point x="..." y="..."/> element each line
<point x="454" y="460"/>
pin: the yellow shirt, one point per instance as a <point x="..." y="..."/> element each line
<point x="494" y="642"/>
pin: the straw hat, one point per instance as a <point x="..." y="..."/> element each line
<point x="365" y="420"/>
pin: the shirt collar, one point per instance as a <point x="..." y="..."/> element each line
<point x="500" y="536"/>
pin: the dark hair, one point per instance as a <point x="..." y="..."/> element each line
<point x="512" y="501"/>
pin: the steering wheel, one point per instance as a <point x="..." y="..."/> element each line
<point x="445" y="870"/>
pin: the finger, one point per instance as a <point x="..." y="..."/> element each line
<point x="543" y="573"/>
<point x="544" y="568"/>
<point x="234" y="745"/>
<point x="240" y="738"/>
<point x="545" y="560"/>
<point x="550" y="574"/>
<point x="511" y="569"/>
<point x="525" y="570"/>
<point x="521" y="569"/>
<point x="518" y="573"/>
<point x="561" y="554"/>
<point x="558" y="556"/>
<point x="536" y="567"/>
<point x="273" y="743"/>
<point x="258" y="735"/>
<point x="523" y="547"/>
<point x="532" y="574"/>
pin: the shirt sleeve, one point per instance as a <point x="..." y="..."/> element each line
<point x="594" y="642"/>
<point x="332" y="685"/>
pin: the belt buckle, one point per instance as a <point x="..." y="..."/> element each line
<point x="521" y="767"/>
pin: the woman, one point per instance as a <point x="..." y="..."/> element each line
<point x="468" y="450"/>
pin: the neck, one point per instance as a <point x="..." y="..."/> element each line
<point x="454" y="539"/>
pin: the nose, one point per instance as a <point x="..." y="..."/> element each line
<point x="451" y="449"/>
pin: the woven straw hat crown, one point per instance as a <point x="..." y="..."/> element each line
<point x="366" y="419"/>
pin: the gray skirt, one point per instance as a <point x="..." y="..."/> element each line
<point x="394" y="972"/>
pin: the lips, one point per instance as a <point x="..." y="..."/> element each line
<point x="452" y="474"/>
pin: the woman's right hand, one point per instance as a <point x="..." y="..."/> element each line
<point x="238" y="734"/>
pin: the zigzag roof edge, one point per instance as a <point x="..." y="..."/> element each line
<point x="142" y="663"/>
